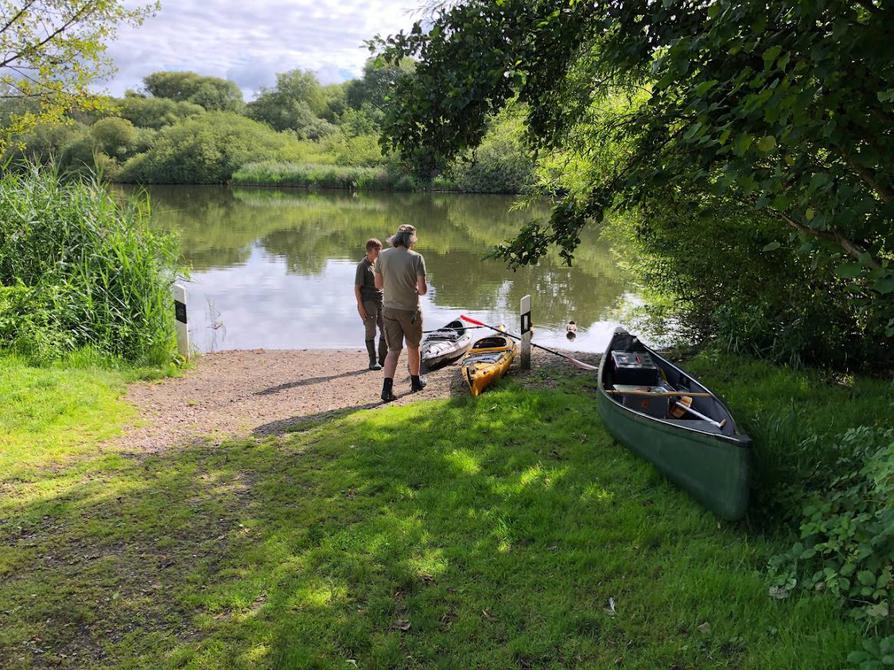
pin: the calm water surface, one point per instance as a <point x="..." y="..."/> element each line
<point x="275" y="269"/>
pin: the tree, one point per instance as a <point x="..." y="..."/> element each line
<point x="295" y="103"/>
<point x="783" y="107"/>
<point x="211" y="93"/>
<point x="155" y="112"/>
<point x="51" y="51"/>
<point x="377" y="82"/>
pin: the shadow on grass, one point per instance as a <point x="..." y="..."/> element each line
<point x="492" y="533"/>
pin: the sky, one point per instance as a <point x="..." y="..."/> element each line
<point x="250" y="41"/>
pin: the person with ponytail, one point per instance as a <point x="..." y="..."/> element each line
<point x="400" y="273"/>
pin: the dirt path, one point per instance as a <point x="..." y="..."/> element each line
<point x="264" y="392"/>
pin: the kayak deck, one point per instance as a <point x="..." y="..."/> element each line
<point x="487" y="361"/>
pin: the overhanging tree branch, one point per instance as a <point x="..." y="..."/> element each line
<point x="852" y="249"/>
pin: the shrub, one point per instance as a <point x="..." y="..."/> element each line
<point x="501" y="164"/>
<point x="81" y="270"/>
<point x="156" y="113"/>
<point x="875" y="655"/>
<point x="44" y="143"/>
<point x="206" y="149"/>
<point x="115" y="137"/>
<point x="847" y="531"/>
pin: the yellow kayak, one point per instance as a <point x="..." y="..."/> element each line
<point x="487" y="361"/>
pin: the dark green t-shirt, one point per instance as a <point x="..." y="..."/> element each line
<point x="366" y="280"/>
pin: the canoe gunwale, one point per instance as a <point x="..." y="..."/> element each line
<point x="737" y="439"/>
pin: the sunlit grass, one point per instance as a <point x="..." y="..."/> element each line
<point x="506" y="532"/>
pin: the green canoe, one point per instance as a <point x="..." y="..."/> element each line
<point x="706" y="454"/>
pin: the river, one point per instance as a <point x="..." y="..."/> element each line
<point x="275" y="268"/>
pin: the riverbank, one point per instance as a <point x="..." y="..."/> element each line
<point x="281" y="524"/>
<point x="267" y="392"/>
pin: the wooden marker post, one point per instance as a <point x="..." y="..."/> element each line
<point x="525" y="332"/>
<point x="180" y="319"/>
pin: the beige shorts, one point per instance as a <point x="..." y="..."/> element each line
<point x="402" y="324"/>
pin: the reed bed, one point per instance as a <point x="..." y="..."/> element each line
<point x="303" y="175"/>
<point x="79" y="269"/>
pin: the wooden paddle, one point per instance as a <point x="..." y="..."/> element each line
<point x="684" y="405"/>
<point x="573" y="361"/>
<point x="661" y="394"/>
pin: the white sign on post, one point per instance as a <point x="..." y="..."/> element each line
<point x="180" y="319"/>
<point x="526" y="332"/>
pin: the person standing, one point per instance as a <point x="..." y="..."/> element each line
<point x="400" y="273"/>
<point x="369" y="304"/>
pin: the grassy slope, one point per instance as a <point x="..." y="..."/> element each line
<point x="494" y="532"/>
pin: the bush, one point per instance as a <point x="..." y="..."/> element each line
<point x="847" y="531"/>
<point x="206" y="150"/>
<point x="501" y="163"/>
<point x="875" y="655"/>
<point x="736" y="277"/>
<point x="80" y="270"/>
<point x="156" y="113"/>
<point x="44" y="143"/>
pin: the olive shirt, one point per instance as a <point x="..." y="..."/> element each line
<point x="400" y="267"/>
<point x="367" y="282"/>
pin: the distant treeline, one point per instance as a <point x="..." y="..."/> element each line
<point x="185" y="128"/>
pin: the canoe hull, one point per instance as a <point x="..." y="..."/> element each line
<point x="711" y="462"/>
<point x="714" y="472"/>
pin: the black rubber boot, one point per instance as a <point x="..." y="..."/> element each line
<point x="371" y="350"/>
<point x="417" y="383"/>
<point x="383" y="350"/>
<point x="387" y="393"/>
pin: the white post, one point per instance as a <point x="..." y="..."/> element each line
<point x="526" y="332"/>
<point x="180" y="320"/>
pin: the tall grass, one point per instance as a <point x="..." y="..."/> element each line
<point x="78" y="269"/>
<point x="302" y="175"/>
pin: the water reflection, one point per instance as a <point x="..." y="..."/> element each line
<point x="275" y="269"/>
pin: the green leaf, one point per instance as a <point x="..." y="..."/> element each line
<point x="866" y="578"/>
<point x="884" y="285"/>
<point x="770" y="56"/>
<point x="849" y="270"/>
<point x="766" y="144"/>
<point x="742" y="143"/>
<point x="772" y="246"/>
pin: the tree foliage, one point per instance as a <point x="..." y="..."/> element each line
<point x="206" y="149"/>
<point x="155" y="113"/>
<point x="51" y="51"/>
<point x="784" y="107"/>
<point x="296" y="103"/>
<point x="211" y="93"/>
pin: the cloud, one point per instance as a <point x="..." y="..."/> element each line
<point x="250" y="42"/>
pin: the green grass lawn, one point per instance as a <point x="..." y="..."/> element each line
<point x="465" y="534"/>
